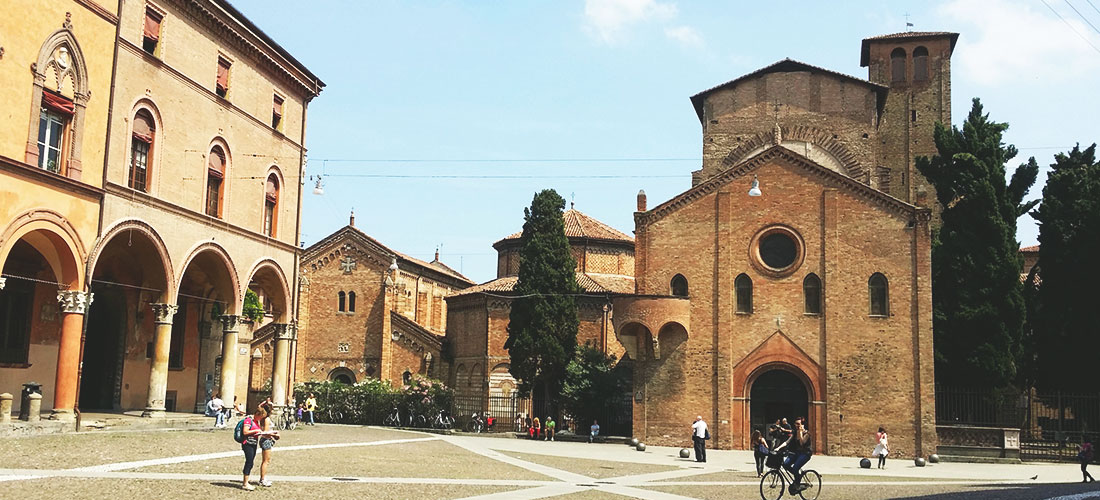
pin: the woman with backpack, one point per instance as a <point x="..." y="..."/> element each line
<point x="248" y="432"/>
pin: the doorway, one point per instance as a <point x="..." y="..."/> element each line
<point x="777" y="394"/>
<point x="100" y="387"/>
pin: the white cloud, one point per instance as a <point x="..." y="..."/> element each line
<point x="685" y="35"/>
<point x="1008" y="40"/>
<point x="607" y="20"/>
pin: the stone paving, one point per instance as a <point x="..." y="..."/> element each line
<point x="341" y="461"/>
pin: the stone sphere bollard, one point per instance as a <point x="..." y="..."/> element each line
<point x="34" y="410"/>
<point x="933" y="459"/>
<point x="634" y="442"/>
<point x="919" y="462"/>
<point x="865" y="464"/>
<point x="640" y="447"/>
<point x="685" y="453"/>
<point x="5" y="408"/>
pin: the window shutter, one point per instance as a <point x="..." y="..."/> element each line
<point x="277" y="106"/>
<point x="223" y="75"/>
<point x="272" y="192"/>
<point x="216" y="163"/>
<point x="152" y="25"/>
<point x="57" y="103"/>
<point x="143" y="127"/>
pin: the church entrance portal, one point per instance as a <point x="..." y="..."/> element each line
<point x="777" y="394"/>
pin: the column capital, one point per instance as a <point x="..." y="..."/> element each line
<point x="283" y="331"/>
<point x="163" y="313"/>
<point x="74" y="301"/>
<point x="292" y="330"/>
<point x="2" y="281"/>
<point x="230" y="322"/>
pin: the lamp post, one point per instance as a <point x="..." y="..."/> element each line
<point x="753" y="191"/>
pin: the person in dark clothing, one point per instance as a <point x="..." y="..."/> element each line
<point x="800" y="446"/>
<point x="759" y="451"/>
<point x="699" y="436"/>
<point x="1085" y="456"/>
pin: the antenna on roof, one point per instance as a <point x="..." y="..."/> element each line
<point x="908" y="25"/>
<point x="572" y="200"/>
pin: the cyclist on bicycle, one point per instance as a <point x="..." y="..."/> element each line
<point x="800" y="448"/>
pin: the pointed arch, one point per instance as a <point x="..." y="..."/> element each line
<point x="55" y="133"/>
<point x="678" y="286"/>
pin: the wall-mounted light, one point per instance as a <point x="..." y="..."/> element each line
<point x="754" y="190"/>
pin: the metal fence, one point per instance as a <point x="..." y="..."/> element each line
<point x="1051" y="424"/>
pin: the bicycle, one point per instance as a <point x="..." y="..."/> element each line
<point x="774" y="483"/>
<point x="476" y="424"/>
<point x="393" y="419"/>
<point x="287" y="421"/>
<point x="442" y="421"/>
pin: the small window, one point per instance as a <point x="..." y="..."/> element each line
<point x="342" y="305"/>
<point x="679" y="286"/>
<point x="215" y="177"/>
<point x="141" y="144"/>
<point x="277" y="113"/>
<point x="53" y="124"/>
<point x="151" y="31"/>
<point x="271" y="205"/>
<point x="743" y="288"/>
<point x="879" y="291"/>
<point x="897" y="65"/>
<point x="811" y="289"/>
<point x="920" y="64"/>
<point x="221" y="86"/>
<point x="913" y="115"/>
<point x="351" y="301"/>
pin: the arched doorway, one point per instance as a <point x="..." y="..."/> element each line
<point x="207" y="289"/>
<point x="775" y="394"/>
<point x="104" y="344"/>
<point x="343" y="376"/>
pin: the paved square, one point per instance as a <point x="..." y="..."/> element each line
<point x="331" y="461"/>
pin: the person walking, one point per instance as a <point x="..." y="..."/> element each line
<point x="1085" y="455"/>
<point x="594" y="431"/>
<point x="699" y="436"/>
<point x="759" y="451"/>
<point x="311" y="406"/>
<point x="266" y="442"/>
<point x="551" y="425"/>
<point x="800" y="444"/>
<point x="251" y="431"/>
<point x="882" y="447"/>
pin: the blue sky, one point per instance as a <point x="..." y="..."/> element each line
<point x="541" y="90"/>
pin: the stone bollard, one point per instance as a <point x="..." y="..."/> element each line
<point x="34" y="409"/>
<point x="5" y="408"/>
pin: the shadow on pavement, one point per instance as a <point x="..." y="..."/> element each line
<point x="1041" y="491"/>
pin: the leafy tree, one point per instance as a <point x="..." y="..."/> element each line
<point x="1068" y="318"/>
<point x="592" y="380"/>
<point x="253" y="309"/>
<point x="977" y="297"/>
<point x="542" y="328"/>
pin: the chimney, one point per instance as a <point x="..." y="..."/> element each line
<point x="436" y="255"/>
<point x="351" y="220"/>
<point x="641" y="200"/>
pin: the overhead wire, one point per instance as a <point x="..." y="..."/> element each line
<point x="1083" y="18"/>
<point x="1070" y="26"/>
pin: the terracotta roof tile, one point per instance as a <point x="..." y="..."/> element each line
<point x="580" y="225"/>
<point x="1032" y="248"/>
<point x="591" y="283"/>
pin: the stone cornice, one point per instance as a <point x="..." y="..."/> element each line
<point x="713" y="184"/>
<point x="99" y="11"/>
<point x="33" y="173"/>
<point x="146" y="199"/>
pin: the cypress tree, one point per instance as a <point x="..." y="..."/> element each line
<point x="542" y="328"/>
<point x="977" y="297"/>
<point x="1068" y="323"/>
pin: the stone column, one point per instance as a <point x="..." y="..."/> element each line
<point x="230" y="325"/>
<point x="5" y="408"/>
<point x="279" y="366"/>
<point x="74" y="304"/>
<point x="158" y="373"/>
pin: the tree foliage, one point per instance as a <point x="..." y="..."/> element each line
<point x="592" y="381"/>
<point x="253" y="309"/>
<point x="977" y="297"/>
<point x="542" y="329"/>
<point x="1067" y="318"/>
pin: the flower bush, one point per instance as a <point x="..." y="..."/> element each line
<point x="368" y="402"/>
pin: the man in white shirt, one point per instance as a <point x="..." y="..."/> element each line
<point x="214" y="408"/>
<point x="699" y="436"/>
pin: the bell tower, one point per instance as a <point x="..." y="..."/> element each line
<point x="917" y="68"/>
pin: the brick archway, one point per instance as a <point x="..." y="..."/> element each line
<point x="777" y="352"/>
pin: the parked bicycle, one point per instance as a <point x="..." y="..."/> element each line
<point x="479" y="423"/>
<point x="775" y="482"/>
<point x="442" y="420"/>
<point x="287" y="421"/>
<point x="393" y="419"/>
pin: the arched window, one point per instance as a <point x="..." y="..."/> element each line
<point x="141" y="150"/>
<point x="271" y="205"/>
<point x="897" y="65"/>
<point x="60" y="94"/>
<point x="351" y="301"/>
<point x="215" y="177"/>
<point x="879" y="290"/>
<point x="920" y="63"/>
<point x="811" y="289"/>
<point x="743" y="288"/>
<point x="679" y="286"/>
<point x="406" y="377"/>
<point x="342" y="298"/>
<point x="475" y="376"/>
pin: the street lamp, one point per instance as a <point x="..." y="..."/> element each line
<point x="754" y="190"/>
<point x="318" y="188"/>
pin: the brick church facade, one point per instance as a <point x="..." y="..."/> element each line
<point x="811" y="294"/>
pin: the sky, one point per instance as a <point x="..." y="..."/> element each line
<point x="590" y="98"/>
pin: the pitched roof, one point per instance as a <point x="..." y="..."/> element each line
<point x="787" y="65"/>
<point x="1032" y="248"/>
<point x="865" y="48"/>
<point x="591" y="283"/>
<point x="748" y="166"/>
<point x="409" y="326"/>
<point x="580" y="225"/>
<point x="435" y="265"/>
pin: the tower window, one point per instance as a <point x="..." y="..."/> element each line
<point x="811" y="289"/>
<point x="351" y="301"/>
<point x="743" y="290"/>
<point x="897" y="65"/>
<point x="879" y="291"/>
<point x="920" y="64"/>
<point x="679" y="286"/>
<point x="342" y="302"/>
